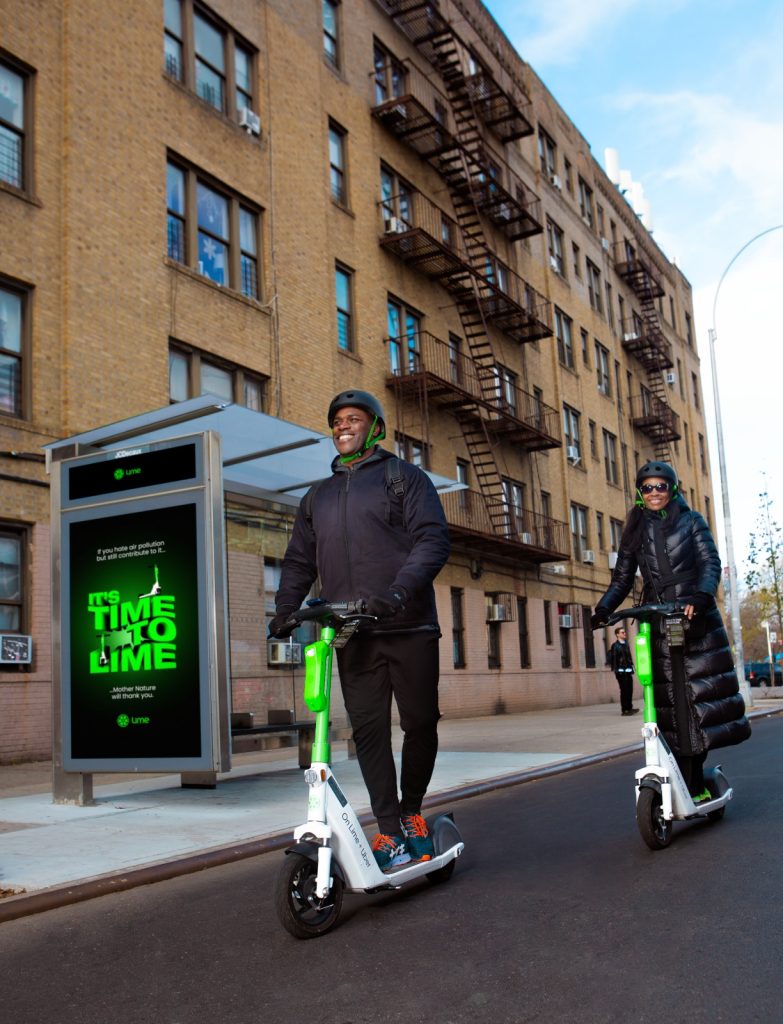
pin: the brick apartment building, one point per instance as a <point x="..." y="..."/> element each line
<point x="272" y="200"/>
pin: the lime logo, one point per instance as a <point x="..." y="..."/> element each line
<point x="119" y="474"/>
<point x="123" y="720"/>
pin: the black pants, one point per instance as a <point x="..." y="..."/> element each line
<point x="372" y="669"/>
<point x="692" y="769"/>
<point x="625" y="682"/>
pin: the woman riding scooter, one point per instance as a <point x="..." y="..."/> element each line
<point x="673" y="548"/>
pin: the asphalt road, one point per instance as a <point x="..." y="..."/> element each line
<point x="556" y="913"/>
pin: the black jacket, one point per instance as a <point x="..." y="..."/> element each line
<point x="677" y="557"/>
<point x="363" y="539"/>
<point x="619" y="656"/>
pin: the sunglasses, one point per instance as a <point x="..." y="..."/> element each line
<point x="661" y="488"/>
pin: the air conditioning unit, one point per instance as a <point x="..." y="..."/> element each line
<point x="587" y="220"/>
<point x="394" y="226"/>
<point x="572" y="454"/>
<point x="16" y="649"/>
<point x="612" y="559"/>
<point x="671" y="378"/>
<point x="630" y="336"/>
<point x="526" y="538"/>
<point x="250" y="121"/>
<point x="588" y="557"/>
<point x="497" y="613"/>
<point x="554" y="264"/>
<point x="555" y="180"/>
<point x="280" y="652"/>
<point x="558" y="569"/>
<point x="565" y="621"/>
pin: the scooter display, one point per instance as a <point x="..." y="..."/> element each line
<point x="662" y="796"/>
<point x="331" y="854"/>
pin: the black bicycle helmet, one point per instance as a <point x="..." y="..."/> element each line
<point x="358" y="399"/>
<point x="655" y="468"/>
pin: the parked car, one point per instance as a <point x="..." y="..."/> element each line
<point x="757" y="673"/>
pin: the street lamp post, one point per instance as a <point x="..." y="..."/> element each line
<point x="736" y="625"/>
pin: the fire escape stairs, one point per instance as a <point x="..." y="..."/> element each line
<point x="655" y="382"/>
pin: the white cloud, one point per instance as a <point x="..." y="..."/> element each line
<point x="563" y="28"/>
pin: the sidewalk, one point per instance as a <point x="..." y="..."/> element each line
<point x="142" y="829"/>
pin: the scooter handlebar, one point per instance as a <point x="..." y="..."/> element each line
<point x="326" y="610"/>
<point x="646" y="612"/>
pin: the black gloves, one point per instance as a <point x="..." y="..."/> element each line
<point x="599" y="617"/>
<point x="700" y="601"/>
<point x="386" y="605"/>
<point x="278" y="627"/>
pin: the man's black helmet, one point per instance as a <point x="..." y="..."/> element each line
<point x="661" y="469"/>
<point x="358" y="399"/>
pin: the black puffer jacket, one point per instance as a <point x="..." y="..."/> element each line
<point x="713" y="712"/>
<point x="363" y="539"/>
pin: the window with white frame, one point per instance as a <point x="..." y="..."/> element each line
<point x="514" y="502"/>
<point x="396" y="201"/>
<point x="389" y="74"/>
<point x="404" y="327"/>
<point x="594" y="286"/>
<point x="586" y="202"/>
<point x="615" y="533"/>
<point x="610" y="458"/>
<point x="579" y="530"/>
<point x="563" y="333"/>
<point x="571" y="431"/>
<point x="602" y="369"/>
<point x="505" y="388"/>
<point x="554" y="236"/>
<point x="547" y="154"/>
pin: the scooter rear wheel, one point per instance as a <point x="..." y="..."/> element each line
<point x="301" y="912"/>
<point x="655" y="830"/>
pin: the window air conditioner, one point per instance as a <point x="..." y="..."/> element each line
<point x="250" y="121"/>
<point x="671" y="378"/>
<point x="565" y="621"/>
<point x="393" y="225"/>
<point x="526" y="538"/>
<point x="554" y="264"/>
<point x="605" y="244"/>
<point x="630" y="336"/>
<point x="588" y="557"/>
<point x="497" y="613"/>
<point x="558" y="569"/>
<point x="280" y="652"/>
<point x="612" y="559"/>
<point x="572" y="454"/>
<point x="16" y="649"/>
<point x="555" y="180"/>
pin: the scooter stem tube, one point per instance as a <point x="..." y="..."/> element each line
<point x="644" y="669"/>
<point x="318" y="685"/>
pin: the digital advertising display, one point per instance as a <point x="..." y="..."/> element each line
<point x="142" y="608"/>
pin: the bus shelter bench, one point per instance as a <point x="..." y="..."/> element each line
<point x="304" y="730"/>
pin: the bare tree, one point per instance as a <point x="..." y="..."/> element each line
<point x="764" y="578"/>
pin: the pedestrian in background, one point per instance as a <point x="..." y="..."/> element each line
<point x="621" y="663"/>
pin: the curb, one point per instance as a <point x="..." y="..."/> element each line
<point x="25" y="905"/>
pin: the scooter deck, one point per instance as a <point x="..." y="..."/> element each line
<point x="397" y="877"/>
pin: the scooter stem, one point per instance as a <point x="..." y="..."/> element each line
<point x="644" y="669"/>
<point x="318" y="686"/>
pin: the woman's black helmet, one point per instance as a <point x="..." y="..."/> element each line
<point x="358" y="399"/>
<point x="661" y="469"/>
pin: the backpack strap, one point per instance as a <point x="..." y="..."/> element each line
<point x="307" y="502"/>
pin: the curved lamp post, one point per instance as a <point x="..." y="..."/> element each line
<point x="736" y="625"/>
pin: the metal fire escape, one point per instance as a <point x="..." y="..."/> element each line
<point x="465" y="169"/>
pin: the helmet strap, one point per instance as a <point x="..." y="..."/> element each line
<point x="369" y="442"/>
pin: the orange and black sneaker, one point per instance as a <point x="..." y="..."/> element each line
<point x="390" y="851"/>
<point x="417" y="837"/>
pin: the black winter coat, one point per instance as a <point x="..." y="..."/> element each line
<point x="713" y="712"/>
<point x="363" y="539"/>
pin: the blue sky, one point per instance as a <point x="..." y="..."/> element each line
<point x="689" y="92"/>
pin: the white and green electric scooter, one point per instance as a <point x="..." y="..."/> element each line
<point x="331" y="853"/>
<point x="661" y="793"/>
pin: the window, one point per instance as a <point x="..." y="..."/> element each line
<point x="585" y="347"/>
<point x="695" y="386"/>
<point x="610" y="458"/>
<point x="524" y="633"/>
<point x="463" y="477"/>
<point x="404" y="326"/>
<point x="454" y="345"/>
<point x="571" y="429"/>
<point x="12" y="574"/>
<point x="331" y="24"/>
<point x="395" y="199"/>
<point x="599" y="530"/>
<point x="594" y="286"/>
<point x="708" y="511"/>
<point x="569" y="177"/>
<point x="412" y="450"/>
<point x="579" y="530"/>
<point x="193" y="373"/>
<point x="547" y="153"/>
<point x="687" y="435"/>
<point x="565" y="347"/>
<point x="13" y="347"/>
<point x="602" y="369"/>
<point x="458" y="627"/>
<point x="554" y="237"/>
<point x="587" y="629"/>
<point x="514" y="502"/>
<point x="208" y="57"/>
<point x="215" y="224"/>
<point x="615" y="533"/>
<point x="688" y="330"/>
<point x="565" y="639"/>
<point x="337" y="180"/>
<point x="493" y="641"/>
<point x="548" y="623"/>
<point x="538" y="407"/>
<point x="591" y="430"/>
<point x="599" y="211"/>
<point x="14" y="121"/>
<point x="576" y="257"/>
<point x="505" y="389"/>
<point x="702" y="454"/>
<point x="672" y="320"/>
<point x="618" y="383"/>
<point x="343" y="287"/>
<point x="609" y="306"/>
<point x="389" y="75"/>
<point x="680" y="380"/>
<point x="586" y="202"/>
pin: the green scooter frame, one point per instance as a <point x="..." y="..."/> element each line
<point x="331" y="854"/>
<point x="662" y="796"/>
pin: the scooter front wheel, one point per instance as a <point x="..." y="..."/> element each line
<point x="301" y="912"/>
<point x="655" y="830"/>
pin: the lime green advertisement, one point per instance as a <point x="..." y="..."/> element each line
<point x="134" y="635"/>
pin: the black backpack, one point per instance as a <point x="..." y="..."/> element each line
<point x="394" y="482"/>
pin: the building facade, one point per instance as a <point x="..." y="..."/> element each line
<point x="272" y="200"/>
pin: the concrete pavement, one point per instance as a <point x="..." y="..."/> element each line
<point x="144" y="829"/>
